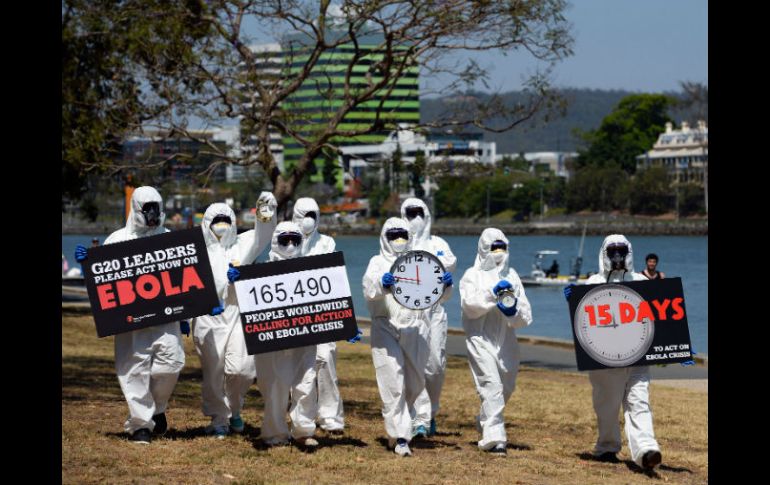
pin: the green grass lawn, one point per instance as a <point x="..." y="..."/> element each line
<point x="550" y="424"/>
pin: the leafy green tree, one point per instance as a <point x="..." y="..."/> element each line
<point x="122" y="65"/>
<point x="598" y="189"/>
<point x="628" y="131"/>
<point x="417" y="174"/>
<point x="650" y="192"/>
<point x="691" y="199"/>
<point x="509" y="164"/>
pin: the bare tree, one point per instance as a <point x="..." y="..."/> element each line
<point x="258" y="88"/>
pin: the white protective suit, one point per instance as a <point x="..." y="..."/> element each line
<point x="285" y="373"/>
<point x="148" y="360"/>
<point x="427" y="405"/>
<point x="399" y="339"/>
<point x="628" y="386"/>
<point x="228" y="370"/>
<point x="330" y="413"/>
<point x="490" y="336"/>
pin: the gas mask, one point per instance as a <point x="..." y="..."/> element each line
<point x="498" y="250"/>
<point x="416" y="217"/>
<point x="289" y="243"/>
<point x="617" y="255"/>
<point x="308" y="223"/>
<point x="151" y="213"/>
<point x="398" y="239"/>
<point x="220" y="225"/>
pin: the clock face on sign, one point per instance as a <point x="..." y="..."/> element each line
<point x="600" y="330"/>
<point x="419" y="282"/>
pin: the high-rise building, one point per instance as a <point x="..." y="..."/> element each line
<point x="322" y="94"/>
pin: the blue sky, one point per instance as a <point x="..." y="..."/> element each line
<point x="646" y="46"/>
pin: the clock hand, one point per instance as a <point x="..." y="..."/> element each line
<point x="410" y="279"/>
<point x="418" y="275"/>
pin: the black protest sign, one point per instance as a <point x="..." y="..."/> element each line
<point x="149" y="281"/>
<point x="629" y="323"/>
<point x="295" y="303"/>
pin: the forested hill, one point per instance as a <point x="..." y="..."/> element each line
<point x="585" y="110"/>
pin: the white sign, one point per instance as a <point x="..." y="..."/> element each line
<point x="292" y="289"/>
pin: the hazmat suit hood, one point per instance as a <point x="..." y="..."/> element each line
<point x="276" y="252"/>
<point x="214" y="210"/>
<point x="484" y="260"/>
<point x="301" y="208"/>
<point x="136" y="224"/>
<point x="605" y="265"/>
<point x="218" y="248"/>
<point x="386" y="251"/>
<point x="421" y="238"/>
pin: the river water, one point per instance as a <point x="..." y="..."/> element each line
<point x="682" y="256"/>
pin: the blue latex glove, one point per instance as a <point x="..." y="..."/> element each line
<point x="356" y="338"/>
<point x="233" y="273"/>
<point x="388" y="280"/>
<point x="81" y="253"/>
<point x="568" y="291"/>
<point x="447" y="278"/>
<point x="184" y="327"/>
<point x="690" y="362"/>
<point x="508" y="311"/>
<point x="501" y="285"/>
<point x="217" y="309"/>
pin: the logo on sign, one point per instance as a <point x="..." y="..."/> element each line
<point x="129" y="319"/>
<point x="168" y="310"/>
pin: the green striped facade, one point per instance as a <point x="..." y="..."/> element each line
<point x="320" y="96"/>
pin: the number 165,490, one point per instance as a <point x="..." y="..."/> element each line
<point x="312" y="286"/>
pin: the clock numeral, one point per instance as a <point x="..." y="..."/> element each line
<point x="419" y="258"/>
<point x="416" y="303"/>
<point x="401" y="268"/>
<point x="435" y="291"/>
<point x="437" y="269"/>
<point x="440" y="280"/>
<point x="398" y="290"/>
<point x="406" y="297"/>
<point x="427" y="299"/>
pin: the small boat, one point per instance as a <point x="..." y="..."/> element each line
<point x="551" y="276"/>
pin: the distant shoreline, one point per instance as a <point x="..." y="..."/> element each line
<point x="696" y="227"/>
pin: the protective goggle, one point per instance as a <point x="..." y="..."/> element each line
<point x="312" y="215"/>
<point x="617" y="250"/>
<point x="414" y="211"/>
<point x="498" y="245"/>
<point x="221" y="218"/>
<point x="398" y="233"/>
<point x="289" y="237"/>
<point x="151" y="208"/>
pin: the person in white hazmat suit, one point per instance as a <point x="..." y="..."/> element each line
<point x="148" y="361"/>
<point x="289" y="372"/>
<point x="228" y="370"/>
<point x="399" y="337"/>
<point x="415" y="212"/>
<point x="490" y="335"/>
<point x="628" y="386"/>
<point x="330" y="414"/>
